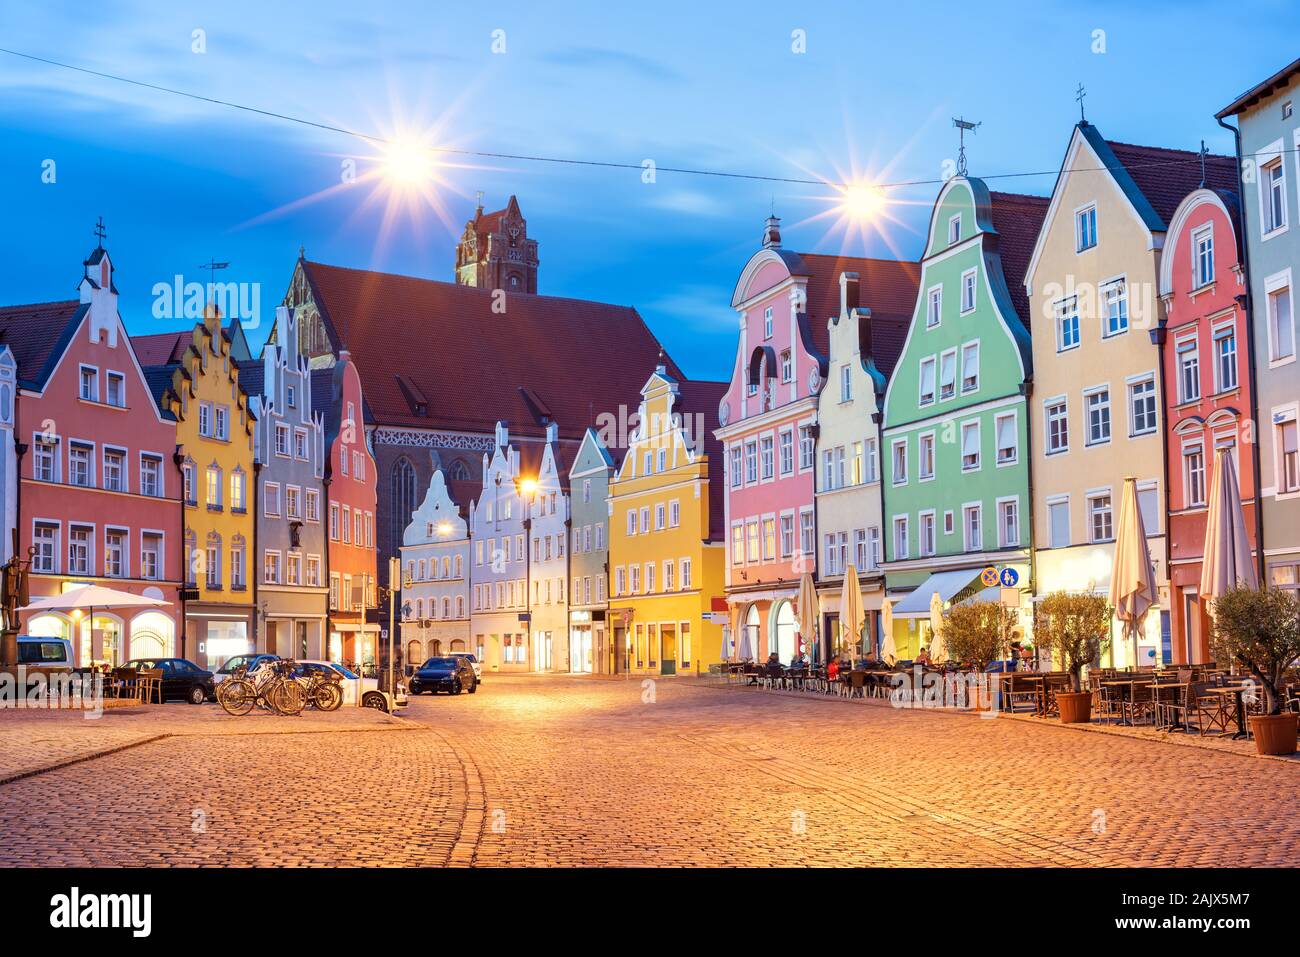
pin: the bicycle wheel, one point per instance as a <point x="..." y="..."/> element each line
<point x="236" y="696"/>
<point x="287" y="698"/>
<point x="329" y="697"/>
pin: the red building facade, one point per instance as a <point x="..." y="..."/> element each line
<point x="1207" y="390"/>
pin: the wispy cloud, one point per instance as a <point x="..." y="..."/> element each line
<point x="601" y="58"/>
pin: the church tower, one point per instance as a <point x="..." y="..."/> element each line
<point x="495" y="252"/>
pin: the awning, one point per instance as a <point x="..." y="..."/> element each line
<point x="916" y="604"/>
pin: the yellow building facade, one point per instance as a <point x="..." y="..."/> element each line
<point x="666" y="545"/>
<point x="214" y="443"/>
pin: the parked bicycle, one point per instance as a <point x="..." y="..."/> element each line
<point x="273" y="686"/>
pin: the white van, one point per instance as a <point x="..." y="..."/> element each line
<point x="45" y="654"/>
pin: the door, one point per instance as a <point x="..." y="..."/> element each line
<point x="668" y="649"/>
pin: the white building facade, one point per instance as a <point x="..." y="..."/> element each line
<point x="436" y="559"/>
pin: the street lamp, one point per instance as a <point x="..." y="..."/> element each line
<point x="527" y="489"/>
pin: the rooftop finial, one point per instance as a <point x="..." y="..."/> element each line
<point x="100" y="232"/>
<point x="1079" y="94"/>
<point x="963" y="125"/>
<point x="478" y="200"/>
<point x="1204" y="153"/>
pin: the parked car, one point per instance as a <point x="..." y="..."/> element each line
<point x="354" y="685"/>
<point x="452" y="674"/>
<point x="180" y="678"/>
<point x="45" y="654"/>
<point x="473" y="661"/>
<point x="253" y="662"/>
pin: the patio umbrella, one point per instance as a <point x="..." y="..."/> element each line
<point x="1132" y="580"/>
<point x="743" y="651"/>
<point x="851" y="610"/>
<point x="888" y="653"/>
<point x="88" y="598"/>
<point x="809" y="609"/>
<point x="1226" y="562"/>
<point x="938" y="650"/>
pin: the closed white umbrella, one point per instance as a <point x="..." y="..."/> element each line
<point x="809" y="609"/>
<point x="1226" y="561"/>
<point x="938" y="650"/>
<point x="1132" y="580"/>
<point x="888" y="653"/>
<point x="743" y="650"/>
<point x="851" y="610"/>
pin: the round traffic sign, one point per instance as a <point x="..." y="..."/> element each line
<point x="989" y="576"/>
<point x="1009" y="578"/>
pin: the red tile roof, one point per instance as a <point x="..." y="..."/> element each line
<point x="702" y="397"/>
<point x="1017" y="218"/>
<point x="887" y="287"/>
<point x="162" y="348"/>
<point x="1166" y="176"/>
<point x="575" y="358"/>
<point x="37" y="335"/>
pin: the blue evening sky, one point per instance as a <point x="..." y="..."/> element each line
<point x="712" y="85"/>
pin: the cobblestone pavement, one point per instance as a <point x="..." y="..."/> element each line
<point x="558" y="771"/>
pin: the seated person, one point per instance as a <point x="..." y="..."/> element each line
<point x="923" y="658"/>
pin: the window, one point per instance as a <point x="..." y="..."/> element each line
<point x="948" y="374"/>
<point x="767" y="323"/>
<point x="1008" y="444"/>
<point x="806" y="532"/>
<point x="271" y="499"/>
<point x="1288" y="456"/>
<point x="900" y="461"/>
<point x="807" y="447"/>
<point x="737" y="544"/>
<point x="1193" y="476"/>
<point x="972" y="523"/>
<point x="213" y="498"/>
<point x="787" y="366"/>
<point x="660" y="518"/>
<point x="1149" y="505"/>
<point x="1281" y="327"/>
<point x="115" y="546"/>
<point x="670" y="576"/>
<point x="271" y="568"/>
<point x="347" y="527"/>
<point x="1274" y="195"/>
<point x="927" y="381"/>
<point x="358" y="466"/>
<point x="1225" y="359"/>
<point x="1058" y="522"/>
<point x="1085" y="228"/>
<point x="674" y="513"/>
<point x="1067" y="324"/>
<point x="787" y="452"/>
<point x="861" y="554"/>
<point x="934" y="307"/>
<point x="79" y="550"/>
<point x="205" y="418"/>
<point x="765" y="447"/>
<point x="313" y="571"/>
<point x="190" y="482"/>
<point x="1009" y="523"/>
<point x="115" y="470"/>
<point x="970" y="446"/>
<point x="212" y="564"/>
<point x="45" y="464"/>
<point x="151" y="555"/>
<point x="1115" y="300"/>
<point x="787" y="536"/>
<point x="970" y="367"/>
<point x="222" y="422"/>
<point x="1098" y="404"/>
<point x="1057" y="426"/>
<point x="293" y="569"/>
<point x="846" y="383"/>
<point x="1100" y="524"/>
<point x="620" y="581"/>
<point x="45" y="541"/>
<point x="313" y="505"/>
<point x="1142" y="406"/>
<point x="927" y="543"/>
<point x="115" y="389"/>
<point x="645" y="518"/>
<point x="828" y="470"/>
<point x="751" y="462"/>
<point x="769" y="539"/>
<point x="925" y="457"/>
<point x="751" y="542"/>
<point x="80" y="471"/>
<point x="856" y="473"/>
<point x="954" y="229"/>
<point x="900" y="537"/>
<point x="1189" y="370"/>
<point x="237" y="500"/>
<point x="89" y="384"/>
<point x="282" y="440"/>
<point x="1203" y="255"/>
<point x="967" y="291"/>
<point x="150" y="475"/>
<point x="292" y="502"/>
<point x="737" y="477"/>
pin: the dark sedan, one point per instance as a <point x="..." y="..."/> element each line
<point x="181" y="679"/>
<point x="451" y="674"/>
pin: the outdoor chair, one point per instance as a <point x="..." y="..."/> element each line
<point x="857" y="684"/>
<point x="1212" y="712"/>
<point x="149" y="685"/>
<point x="1017" y="692"/>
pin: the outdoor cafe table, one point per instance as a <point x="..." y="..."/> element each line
<point x="1126" y="697"/>
<point x="1156" y="688"/>
<point x="1238" y="692"/>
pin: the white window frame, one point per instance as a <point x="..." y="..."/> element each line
<point x="968" y="285"/>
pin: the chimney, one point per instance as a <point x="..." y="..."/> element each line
<point x="503" y="435"/>
<point x="552" y="433"/>
<point x="848" y="292"/>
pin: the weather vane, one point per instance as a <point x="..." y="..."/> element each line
<point x="212" y="266"/>
<point x="963" y="125"/>
<point x="1079" y="94"/>
<point x="100" y="232"/>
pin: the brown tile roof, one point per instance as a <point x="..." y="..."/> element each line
<point x="37" y="334"/>
<point x="161" y="348"/>
<point x="1017" y="218"/>
<point x="887" y="286"/>
<point x="1261" y="91"/>
<point x="1166" y="176"/>
<point x="702" y="397"/>
<point x="573" y="357"/>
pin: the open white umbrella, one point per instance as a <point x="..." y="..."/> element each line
<point x="89" y="597"/>
<point x="851" y="610"/>
<point x="1132" y="580"/>
<point x="809" y="610"/>
<point x="938" y="649"/>
<point x="888" y="653"/>
<point x="1226" y="561"/>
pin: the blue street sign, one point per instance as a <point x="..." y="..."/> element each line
<point x="1009" y="578"/>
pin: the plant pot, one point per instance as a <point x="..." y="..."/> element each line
<point x="1075" y="706"/>
<point x="1274" y="733"/>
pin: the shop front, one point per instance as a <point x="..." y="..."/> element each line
<point x="583" y="640"/>
<point x="215" y="633"/>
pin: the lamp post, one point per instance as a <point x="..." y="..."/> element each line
<point x="394" y="588"/>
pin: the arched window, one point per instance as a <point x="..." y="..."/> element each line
<point x="446" y="568"/>
<point x="402" y="500"/>
<point x="446" y="608"/>
<point x="419" y="608"/>
<point x="459" y="471"/>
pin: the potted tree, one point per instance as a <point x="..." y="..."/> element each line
<point x="1259" y="629"/>
<point x="1074" y="628"/>
<point x="978" y="633"/>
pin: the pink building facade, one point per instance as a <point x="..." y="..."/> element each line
<point x="99" y="493"/>
<point x="1208" y="399"/>
<point x="767" y="429"/>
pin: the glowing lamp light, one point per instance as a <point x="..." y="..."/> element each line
<point x="528" y="487"/>
<point x="444" y="528"/>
